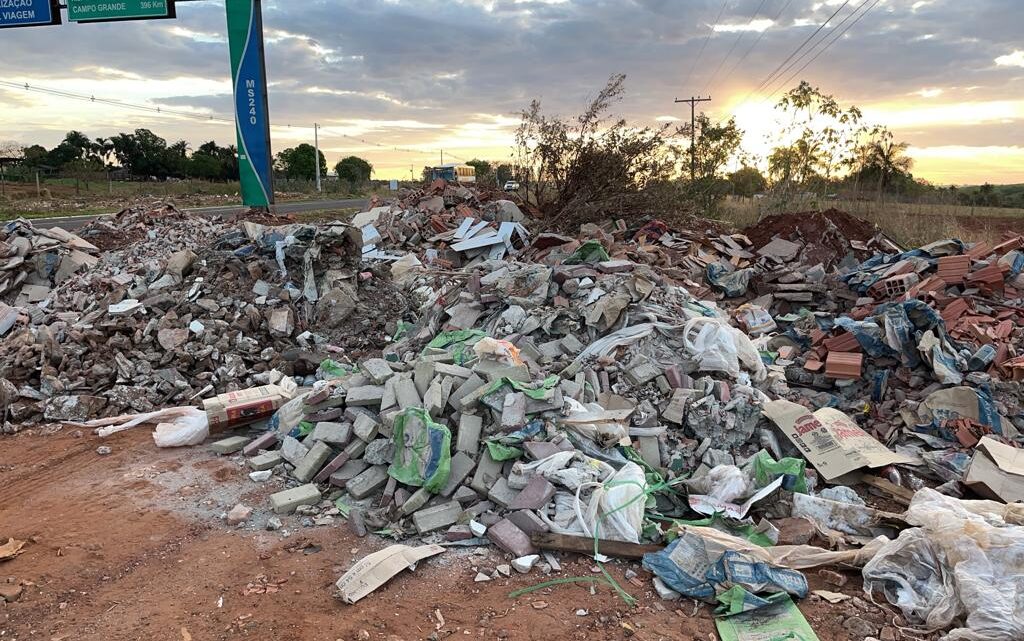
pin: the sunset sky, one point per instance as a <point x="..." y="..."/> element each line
<point x="946" y="75"/>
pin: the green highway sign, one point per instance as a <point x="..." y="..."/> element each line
<point x="93" y="11"/>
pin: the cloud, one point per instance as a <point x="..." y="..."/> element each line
<point x="1015" y="59"/>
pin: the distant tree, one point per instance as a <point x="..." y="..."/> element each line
<point x="298" y="162"/>
<point x="504" y="172"/>
<point x="213" y="162"/>
<point x="34" y="156"/>
<point x="484" y="170"/>
<point x="354" y="170"/>
<point x="747" y="181"/>
<point x="716" y="144"/>
<point x="882" y="161"/>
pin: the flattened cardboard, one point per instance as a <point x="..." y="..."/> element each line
<point x="374" y="570"/>
<point x="997" y="471"/>
<point x="833" y="443"/>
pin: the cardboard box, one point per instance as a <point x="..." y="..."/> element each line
<point x="997" y="471"/>
<point x="234" y="409"/>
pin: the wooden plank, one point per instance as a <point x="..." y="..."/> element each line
<point x="585" y="545"/>
<point x="898" y="493"/>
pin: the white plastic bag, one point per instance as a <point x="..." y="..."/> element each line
<point x="607" y="428"/>
<point x="963" y="565"/>
<point x="720" y="347"/>
<point x="188" y="429"/>
<point x="616" y="508"/>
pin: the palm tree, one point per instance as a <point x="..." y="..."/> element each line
<point x="888" y="158"/>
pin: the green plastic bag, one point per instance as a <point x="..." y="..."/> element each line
<point x="767" y="469"/>
<point x="423" y="451"/>
<point x="589" y="252"/>
<point x="459" y="342"/>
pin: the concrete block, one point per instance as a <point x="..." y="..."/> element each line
<point x="462" y="465"/>
<point x="513" y="412"/>
<point x="418" y="499"/>
<point x="366" y="395"/>
<point x="423" y="374"/>
<point x="348" y="471"/>
<point x="507" y="536"/>
<point x="465" y="387"/>
<point x="266" y="461"/>
<point x="537" y="493"/>
<point x="313" y="462"/>
<point x="390" y="399"/>
<point x="650" y="451"/>
<point x="367" y="482"/>
<point x="465" y="495"/>
<point x="229" y="445"/>
<point x="333" y="433"/>
<point x="366" y="427"/>
<point x="449" y="369"/>
<point x="528" y="521"/>
<point x="406" y="394"/>
<point x="436" y="398"/>
<point x="332" y="467"/>
<point x="378" y="369"/>
<point x="436" y="517"/>
<point x="468" y="438"/>
<point x="500" y="493"/>
<point x="285" y="502"/>
<point x="538" y="450"/>
<point x="356" y="448"/>
<point x="265" y="441"/>
<point x="488" y="471"/>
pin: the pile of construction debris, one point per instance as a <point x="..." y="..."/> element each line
<point x="634" y="384"/>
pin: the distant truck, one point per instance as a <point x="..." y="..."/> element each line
<point x="454" y="172"/>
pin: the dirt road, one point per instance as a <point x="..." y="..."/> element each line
<point x="132" y="545"/>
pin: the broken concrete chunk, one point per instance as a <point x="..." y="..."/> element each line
<point x="461" y="466"/>
<point x="292" y="450"/>
<point x="500" y="493"/>
<point x="348" y="471"/>
<point x="265" y="461"/>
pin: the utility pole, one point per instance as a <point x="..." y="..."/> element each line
<point x="442" y="157"/>
<point x="316" y="155"/>
<point x="693" y="132"/>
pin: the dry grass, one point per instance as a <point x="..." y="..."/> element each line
<point x="912" y="224"/>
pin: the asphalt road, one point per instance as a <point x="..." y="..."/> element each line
<point x="75" y="222"/>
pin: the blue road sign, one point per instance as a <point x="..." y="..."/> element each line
<point x="28" y="13"/>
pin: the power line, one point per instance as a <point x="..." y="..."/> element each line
<point x="116" y="103"/>
<point x="836" y="37"/>
<point x="711" y="30"/>
<point x="760" y="36"/>
<point x="836" y="30"/>
<point x="772" y="76"/>
<point x="735" y="42"/>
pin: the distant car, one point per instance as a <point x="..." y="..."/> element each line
<point x="511" y="186"/>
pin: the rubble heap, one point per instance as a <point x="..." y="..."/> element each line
<point x="633" y="384"/>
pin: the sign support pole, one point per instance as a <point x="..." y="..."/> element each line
<point x="252" y="116"/>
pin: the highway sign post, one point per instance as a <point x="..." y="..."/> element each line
<point x="252" y="118"/>
<point x="92" y="11"/>
<point x="28" y="13"/>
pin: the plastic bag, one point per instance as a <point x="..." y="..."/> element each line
<point x="423" y="453"/>
<point x="606" y="428"/>
<point x="723" y="482"/>
<point x="719" y="347"/>
<point x="188" y="429"/>
<point x="501" y="351"/>
<point x="963" y="564"/>
<point x="616" y="508"/>
<point x="176" y="426"/>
